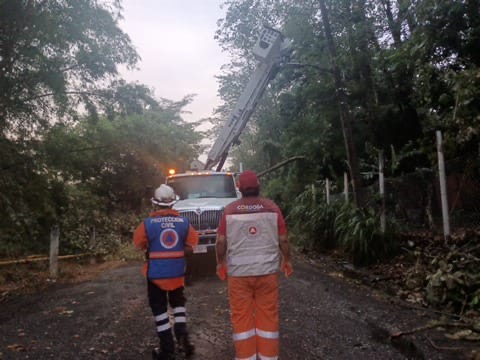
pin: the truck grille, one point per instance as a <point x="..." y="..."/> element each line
<point x="205" y="220"/>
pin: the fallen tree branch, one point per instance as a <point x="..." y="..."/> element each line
<point x="45" y="258"/>
<point x="449" y="348"/>
<point x="419" y="308"/>
<point x="280" y="164"/>
<point x="427" y="327"/>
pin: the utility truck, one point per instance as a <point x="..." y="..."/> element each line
<point x="202" y="196"/>
<point x="204" y="193"/>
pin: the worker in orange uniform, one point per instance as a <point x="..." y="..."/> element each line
<point x="252" y="245"/>
<point x="165" y="237"/>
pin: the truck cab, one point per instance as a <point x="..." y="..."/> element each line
<point x="202" y="196"/>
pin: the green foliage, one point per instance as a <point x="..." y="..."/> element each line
<point x="80" y="147"/>
<point x="456" y="281"/>
<point x="84" y="175"/>
<point x="359" y="233"/>
<point x="313" y="221"/>
<point x="475" y="300"/>
<point x="57" y="55"/>
<point x="111" y="232"/>
<point x="126" y="251"/>
<point x="318" y="226"/>
<point x="275" y="190"/>
<point x="407" y="72"/>
<point x="30" y="200"/>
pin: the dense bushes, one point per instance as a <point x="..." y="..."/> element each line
<point x="318" y="226"/>
<point x="313" y="222"/>
<point x="358" y="232"/>
<point x="453" y="278"/>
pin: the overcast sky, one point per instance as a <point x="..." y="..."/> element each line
<point x="179" y="55"/>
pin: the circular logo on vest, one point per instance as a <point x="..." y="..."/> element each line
<point x="251" y="230"/>
<point x="169" y="238"/>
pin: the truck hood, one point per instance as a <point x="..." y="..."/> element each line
<point x="204" y="203"/>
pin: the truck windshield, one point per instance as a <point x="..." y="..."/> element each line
<point x="203" y="186"/>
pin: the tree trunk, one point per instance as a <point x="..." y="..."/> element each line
<point x="392" y="23"/>
<point x="345" y="115"/>
<point x="360" y="36"/>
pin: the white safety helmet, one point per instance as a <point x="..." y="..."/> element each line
<point x="164" y="196"/>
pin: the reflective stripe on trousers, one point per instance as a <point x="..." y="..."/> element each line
<point x="267" y="357"/>
<point x="254" y="316"/>
<point x="163" y="322"/>
<point x="179" y="314"/>
<point x="254" y="357"/>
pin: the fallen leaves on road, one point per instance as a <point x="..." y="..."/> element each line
<point x="466" y="334"/>
<point x="31" y="277"/>
<point x="16" y="347"/>
<point x="63" y="311"/>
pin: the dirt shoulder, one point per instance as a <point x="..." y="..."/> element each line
<point x="29" y="278"/>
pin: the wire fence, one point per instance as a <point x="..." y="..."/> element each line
<point x="414" y="199"/>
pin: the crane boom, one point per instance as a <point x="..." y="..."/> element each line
<point x="269" y="50"/>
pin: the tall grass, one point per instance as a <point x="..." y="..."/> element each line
<point x="359" y="234"/>
<point x="312" y="222"/>
<point x="318" y="226"/>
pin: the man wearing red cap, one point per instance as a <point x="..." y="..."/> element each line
<point x="252" y="245"/>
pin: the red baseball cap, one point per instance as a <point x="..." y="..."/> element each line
<point x="248" y="180"/>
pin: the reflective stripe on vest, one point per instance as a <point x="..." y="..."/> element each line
<point x="166" y="244"/>
<point x="252" y="244"/>
<point x="166" y="255"/>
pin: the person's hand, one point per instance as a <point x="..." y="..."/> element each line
<point x="286" y="268"/>
<point x="222" y="271"/>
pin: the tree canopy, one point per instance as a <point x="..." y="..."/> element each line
<point x="60" y="57"/>
<point x="80" y="147"/>
<point x="396" y="70"/>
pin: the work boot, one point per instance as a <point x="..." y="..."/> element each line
<point x="185" y="345"/>
<point x="161" y="355"/>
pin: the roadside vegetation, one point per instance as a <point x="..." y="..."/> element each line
<point x="83" y="149"/>
<point x="80" y="147"/>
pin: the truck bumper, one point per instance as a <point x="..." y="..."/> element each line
<point x="206" y="243"/>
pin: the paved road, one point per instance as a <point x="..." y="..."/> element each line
<point x="322" y="317"/>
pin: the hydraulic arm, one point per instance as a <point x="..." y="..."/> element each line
<point x="270" y="49"/>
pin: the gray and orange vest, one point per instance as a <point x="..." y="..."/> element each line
<point x="166" y="246"/>
<point x="252" y="239"/>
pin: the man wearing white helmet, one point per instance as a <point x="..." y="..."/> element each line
<point x="165" y="237"/>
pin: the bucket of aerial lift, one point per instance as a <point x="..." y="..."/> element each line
<point x="271" y="42"/>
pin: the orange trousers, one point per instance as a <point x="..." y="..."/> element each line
<point x="254" y="316"/>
